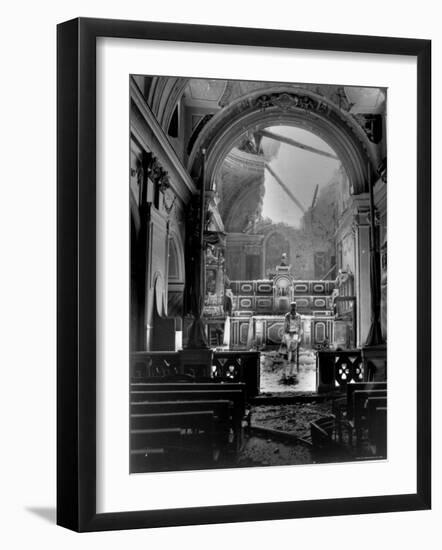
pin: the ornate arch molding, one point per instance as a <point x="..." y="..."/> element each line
<point x="164" y="94"/>
<point x="281" y="105"/>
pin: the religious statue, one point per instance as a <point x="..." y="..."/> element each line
<point x="210" y="281"/>
<point x="284" y="261"/>
<point x="228" y="300"/>
<point x="210" y="255"/>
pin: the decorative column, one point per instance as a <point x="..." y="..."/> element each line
<point x="144" y="252"/>
<point x="196" y="358"/>
<point x="374" y="353"/>
<point x="375" y="334"/>
<point x="361" y="228"/>
<point x="214" y="243"/>
<point x="195" y="276"/>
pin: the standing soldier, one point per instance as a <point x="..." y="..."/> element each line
<point x="292" y="333"/>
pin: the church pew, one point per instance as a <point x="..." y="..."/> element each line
<point x="202" y="434"/>
<point x="377" y="424"/>
<point x="200" y="443"/>
<point x="155" y="438"/>
<point x="148" y="459"/>
<point x="361" y="386"/>
<point x="360" y="398"/>
<point x="168" y="384"/>
<point x="187" y="417"/>
<point x="172" y="378"/>
<point x="380" y="435"/>
<point x="235" y="396"/>
<point x="144" y="452"/>
<point x="189" y="420"/>
<point x="177" y="386"/>
<point x="198" y="421"/>
<point x="195" y="391"/>
<point x="343" y="407"/>
<point x="373" y="402"/>
<point x="159" y="449"/>
<point x="222" y="409"/>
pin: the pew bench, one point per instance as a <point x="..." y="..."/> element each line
<point x="194" y="421"/>
<point x="208" y="414"/>
<point x="222" y="411"/>
<point x="160" y="448"/>
<point x="189" y="420"/>
<point x="343" y="407"/>
<point x="377" y="425"/>
<point x="236" y="397"/>
<point x="155" y="438"/>
<point x="360" y="413"/>
<point x="222" y="408"/>
<point x="373" y="403"/>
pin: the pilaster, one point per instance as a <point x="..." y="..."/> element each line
<point x="361" y="228"/>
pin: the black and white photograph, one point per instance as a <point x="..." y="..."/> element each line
<point x="220" y="293"/>
<point x="258" y="273"/>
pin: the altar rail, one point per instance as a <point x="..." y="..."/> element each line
<point x="336" y="369"/>
<point x="228" y="366"/>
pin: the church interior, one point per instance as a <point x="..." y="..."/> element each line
<point x="248" y="201"/>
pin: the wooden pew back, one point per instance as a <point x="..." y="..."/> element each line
<point x="380" y="436"/>
<point x="360" y="386"/>
<point x="184" y="420"/>
<point x="221" y="408"/>
<point x="373" y="402"/>
<point x="236" y="396"/>
<point x="360" y="398"/>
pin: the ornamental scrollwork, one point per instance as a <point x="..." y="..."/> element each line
<point x="157" y="174"/>
<point x="288" y="102"/>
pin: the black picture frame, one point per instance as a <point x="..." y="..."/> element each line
<point x="76" y="273"/>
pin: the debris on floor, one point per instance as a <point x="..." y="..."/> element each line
<point x="278" y="375"/>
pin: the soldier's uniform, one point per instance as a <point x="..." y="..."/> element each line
<point x="292" y="333"/>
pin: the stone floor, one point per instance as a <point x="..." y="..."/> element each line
<point x="293" y="418"/>
<point x="260" y="451"/>
<point x="276" y="373"/>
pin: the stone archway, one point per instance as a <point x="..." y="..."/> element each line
<point x="289" y="106"/>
